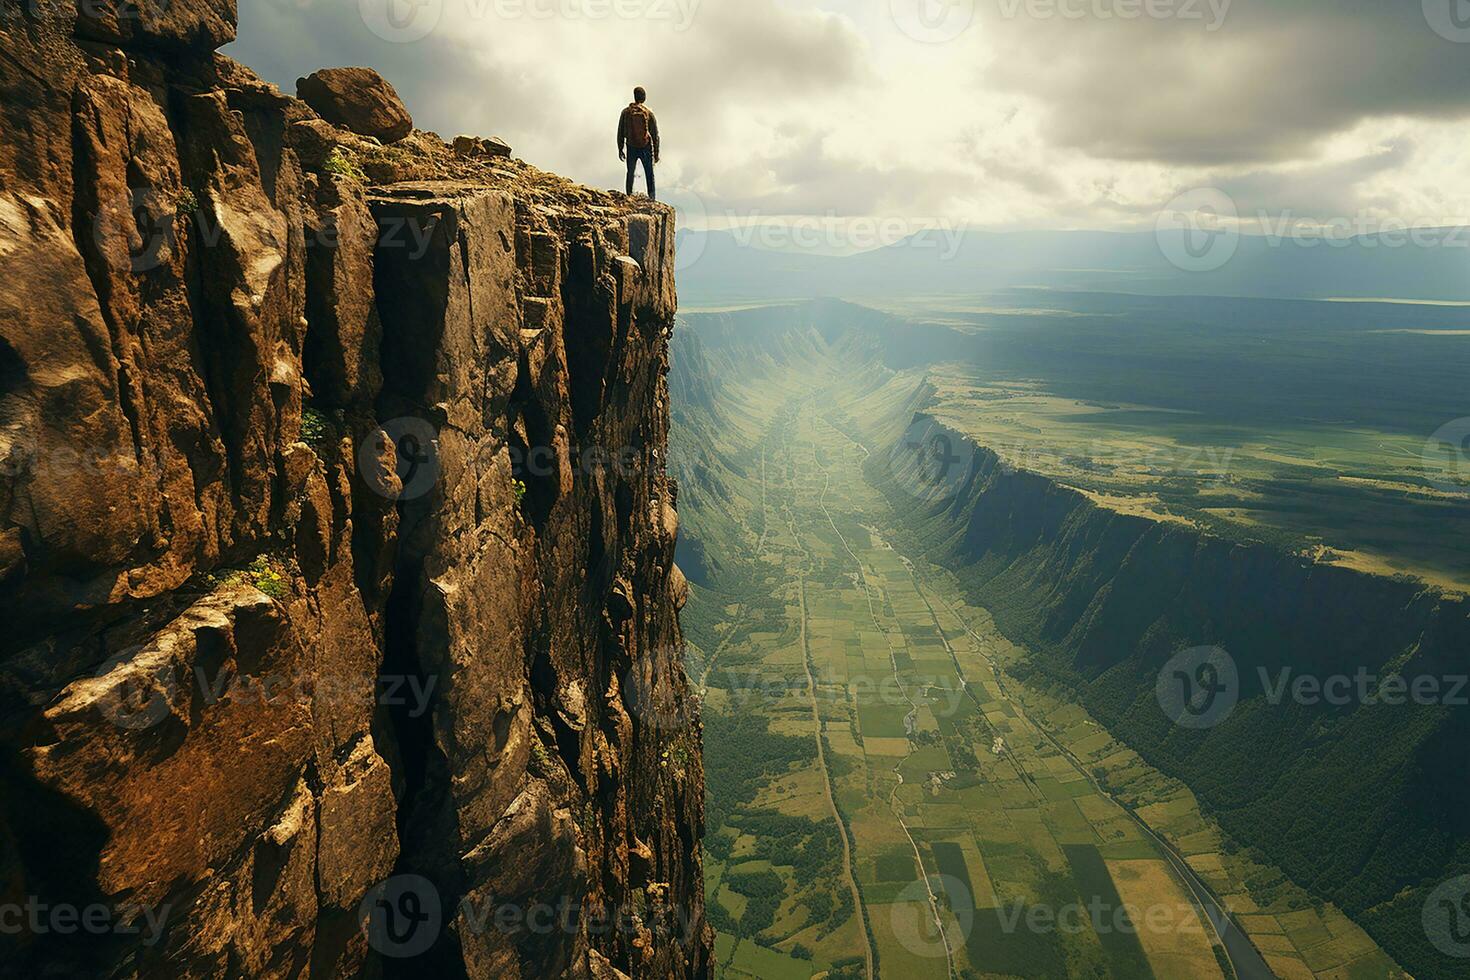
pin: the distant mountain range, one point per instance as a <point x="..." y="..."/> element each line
<point x="719" y="267"/>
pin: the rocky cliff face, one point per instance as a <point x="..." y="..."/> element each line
<point x="336" y="544"/>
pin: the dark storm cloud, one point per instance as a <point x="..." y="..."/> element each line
<point x="439" y="76"/>
<point x="1273" y="79"/>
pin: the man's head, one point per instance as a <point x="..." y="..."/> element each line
<point x="639" y="95"/>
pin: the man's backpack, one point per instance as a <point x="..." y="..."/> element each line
<point x="637" y="126"/>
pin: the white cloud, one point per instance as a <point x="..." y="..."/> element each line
<point x="1036" y="119"/>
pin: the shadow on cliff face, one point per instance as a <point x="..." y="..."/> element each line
<point x="422" y="777"/>
<point x="529" y="430"/>
<point x="36" y="873"/>
<point x="412" y="289"/>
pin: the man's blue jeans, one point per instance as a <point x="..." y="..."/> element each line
<point x="646" y="155"/>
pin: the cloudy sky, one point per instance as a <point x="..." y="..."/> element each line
<point x="997" y="114"/>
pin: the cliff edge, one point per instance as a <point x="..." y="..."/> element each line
<point x="336" y="544"/>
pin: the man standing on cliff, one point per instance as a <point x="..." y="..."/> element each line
<point x="639" y="130"/>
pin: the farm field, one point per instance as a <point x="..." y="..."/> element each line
<point x="987" y="829"/>
<point x="1334" y="430"/>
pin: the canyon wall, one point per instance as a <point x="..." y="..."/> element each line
<point x="336" y="541"/>
<point x="1362" y="802"/>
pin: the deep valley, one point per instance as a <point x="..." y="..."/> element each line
<point x="951" y="652"/>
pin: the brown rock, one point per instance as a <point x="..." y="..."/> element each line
<point x="314" y="139"/>
<point x="287" y="612"/>
<point x="341" y="353"/>
<point x="200" y="24"/>
<point x="358" y="99"/>
<point x="358" y="810"/>
<point x="481" y="148"/>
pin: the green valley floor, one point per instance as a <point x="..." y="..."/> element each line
<point x="987" y="829"/>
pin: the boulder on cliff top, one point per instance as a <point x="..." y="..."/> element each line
<point x="198" y="24"/>
<point x="358" y="99"/>
<point x="478" y="148"/>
